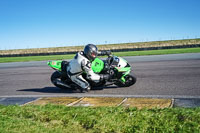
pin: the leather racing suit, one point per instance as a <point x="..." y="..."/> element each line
<point x="81" y="64"/>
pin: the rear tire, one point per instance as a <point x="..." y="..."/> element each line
<point x="57" y="76"/>
<point x="130" y="80"/>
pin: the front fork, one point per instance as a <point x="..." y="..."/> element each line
<point x="125" y="71"/>
<point x="122" y="78"/>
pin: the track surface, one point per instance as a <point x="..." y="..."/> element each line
<point x="171" y="76"/>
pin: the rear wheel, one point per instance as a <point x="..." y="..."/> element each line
<point x="129" y="80"/>
<point x="56" y="76"/>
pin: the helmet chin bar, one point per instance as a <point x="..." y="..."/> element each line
<point x="93" y="55"/>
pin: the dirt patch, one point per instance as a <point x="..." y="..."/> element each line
<point x="54" y="100"/>
<point x="147" y="103"/>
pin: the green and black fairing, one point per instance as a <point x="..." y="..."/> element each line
<point x="56" y="65"/>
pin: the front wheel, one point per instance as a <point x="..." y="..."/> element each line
<point x="129" y="80"/>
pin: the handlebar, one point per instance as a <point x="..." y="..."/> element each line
<point x="102" y="53"/>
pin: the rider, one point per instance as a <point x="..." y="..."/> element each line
<point x="82" y="63"/>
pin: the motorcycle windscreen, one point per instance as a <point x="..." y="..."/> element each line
<point x="55" y="64"/>
<point x="97" y="65"/>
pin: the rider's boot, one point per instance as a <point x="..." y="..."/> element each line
<point x="58" y="82"/>
<point x="85" y="89"/>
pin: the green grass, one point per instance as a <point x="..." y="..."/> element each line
<point x="130" y="53"/>
<point x="35" y="58"/>
<point x="159" y="52"/>
<point x="59" y="119"/>
<point x="104" y="46"/>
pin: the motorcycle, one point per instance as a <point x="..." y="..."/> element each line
<point x="113" y="65"/>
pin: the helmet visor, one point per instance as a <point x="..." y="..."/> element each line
<point x="94" y="54"/>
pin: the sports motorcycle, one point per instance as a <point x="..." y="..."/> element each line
<point x="118" y="67"/>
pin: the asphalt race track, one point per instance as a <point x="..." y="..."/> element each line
<point x="171" y="76"/>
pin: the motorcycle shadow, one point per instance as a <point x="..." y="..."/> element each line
<point x="59" y="90"/>
<point x="49" y="90"/>
<point x="103" y="88"/>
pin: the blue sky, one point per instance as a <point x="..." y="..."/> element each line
<point x="53" y="23"/>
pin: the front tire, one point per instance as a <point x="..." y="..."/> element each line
<point x="129" y="80"/>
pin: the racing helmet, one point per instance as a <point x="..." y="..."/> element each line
<point x="90" y="51"/>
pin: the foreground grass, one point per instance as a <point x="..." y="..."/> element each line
<point x="70" y="56"/>
<point x="57" y="119"/>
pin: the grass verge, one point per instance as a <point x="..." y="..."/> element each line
<point x="59" y="118"/>
<point x="130" y="53"/>
<point x="104" y="47"/>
